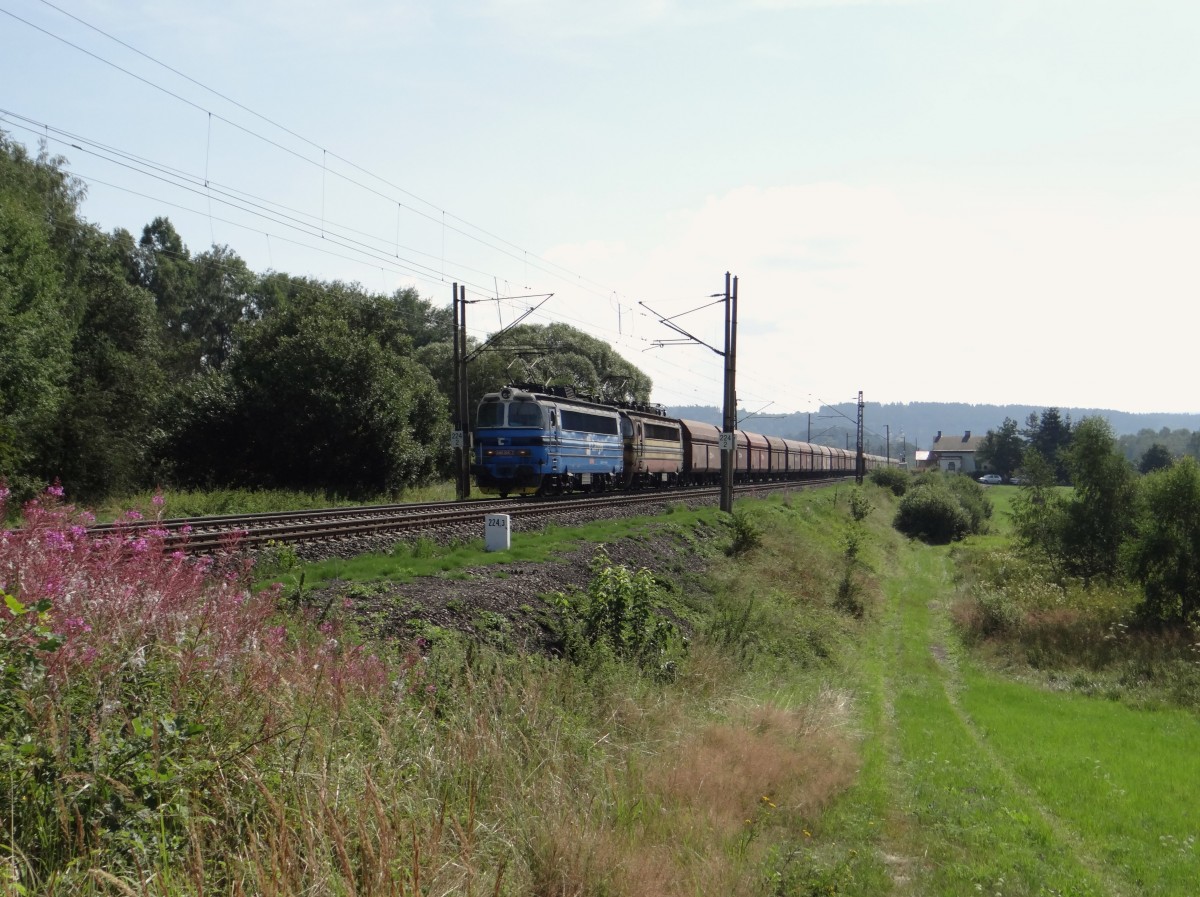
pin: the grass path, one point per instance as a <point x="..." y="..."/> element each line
<point x="973" y="784"/>
<point x="960" y="821"/>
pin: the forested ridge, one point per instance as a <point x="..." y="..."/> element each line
<point x="919" y="422"/>
<point x="128" y="363"/>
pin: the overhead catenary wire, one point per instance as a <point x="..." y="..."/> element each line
<point x="192" y="184"/>
<point x="525" y="255"/>
<point x="369" y="248"/>
<point x="325" y="152"/>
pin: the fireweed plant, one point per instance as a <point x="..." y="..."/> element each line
<point x="139" y="687"/>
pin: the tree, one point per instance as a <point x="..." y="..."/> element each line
<point x="1038" y="511"/>
<point x="1099" y="516"/>
<point x="1050" y="434"/>
<point x="1002" y="449"/>
<point x="39" y="234"/>
<point x="167" y="271"/>
<point x="1193" y="445"/>
<point x="310" y="399"/>
<point x="100" y="441"/>
<point x="35" y="338"/>
<point x="560" y="355"/>
<point x="1165" y="555"/>
<point x="1155" y="458"/>
<point x="221" y="300"/>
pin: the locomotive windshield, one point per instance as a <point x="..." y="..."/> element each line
<point x="491" y="414"/>
<point x="520" y="412"/>
<point x="525" y="414"/>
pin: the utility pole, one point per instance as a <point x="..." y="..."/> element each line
<point x="456" y="433"/>
<point x="464" y="452"/>
<point x="860" y="465"/>
<point x="728" y="444"/>
<point x="460" y="438"/>
<point x="887" y="428"/>
<point x="728" y="431"/>
<point x="459" y="442"/>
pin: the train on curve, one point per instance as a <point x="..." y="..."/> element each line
<point x="534" y="440"/>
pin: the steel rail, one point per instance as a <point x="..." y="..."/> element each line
<point x="259" y="530"/>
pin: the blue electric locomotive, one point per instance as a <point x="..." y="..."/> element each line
<point x="545" y="442"/>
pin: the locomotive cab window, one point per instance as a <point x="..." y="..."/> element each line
<point x="626" y="428"/>
<point x="525" y="414"/>
<point x="491" y="414"/>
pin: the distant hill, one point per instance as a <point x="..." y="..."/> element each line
<point x="921" y="421"/>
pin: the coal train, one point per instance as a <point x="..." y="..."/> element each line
<point x="536" y="440"/>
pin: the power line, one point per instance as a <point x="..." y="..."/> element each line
<point x="324" y="150"/>
<point x="369" y="252"/>
<point x="291" y="218"/>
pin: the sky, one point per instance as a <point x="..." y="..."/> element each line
<point x="925" y="200"/>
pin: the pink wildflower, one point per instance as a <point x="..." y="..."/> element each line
<point x="72" y="625"/>
<point x="133" y="514"/>
<point x="56" y="490"/>
<point x="159" y="499"/>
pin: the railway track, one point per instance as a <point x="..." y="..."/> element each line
<point x="205" y="535"/>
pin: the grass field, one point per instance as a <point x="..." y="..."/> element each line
<point x="981" y="784"/>
<point x="826" y="730"/>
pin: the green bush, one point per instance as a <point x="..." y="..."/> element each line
<point x="999" y="612"/>
<point x="860" y="505"/>
<point x="973" y="499"/>
<point x="894" y="478"/>
<point x="933" y="514"/>
<point x="746" y="534"/>
<point x="617" y="616"/>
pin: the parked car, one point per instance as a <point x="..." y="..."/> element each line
<point x="991" y="479"/>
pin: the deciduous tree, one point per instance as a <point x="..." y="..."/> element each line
<point x="1099" y="514"/>
<point x="313" y="400"/>
<point x="1002" y="449"/>
<point x="1165" y="556"/>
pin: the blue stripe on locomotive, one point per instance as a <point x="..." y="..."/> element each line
<point x="520" y="460"/>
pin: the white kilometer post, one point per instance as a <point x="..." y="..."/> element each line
<point x="497" y="534"/>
